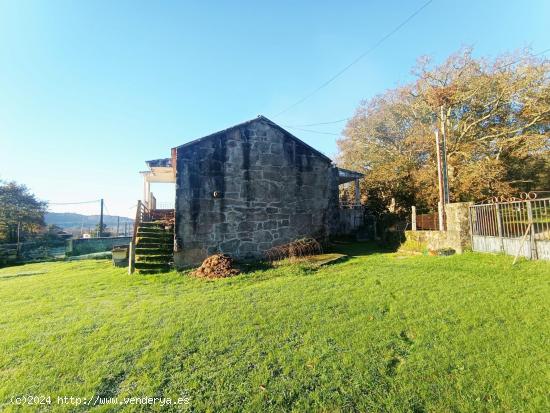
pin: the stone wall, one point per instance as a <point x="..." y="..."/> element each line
<point x="249" y="188"/>
<point x="30" y="251"/>
<point x="83" y="246"/>
<point x="350" y="219"/>
<point x="457" y="236"/>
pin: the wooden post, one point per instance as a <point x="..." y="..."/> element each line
<point x="521" y="243"/>
<point x="532" y="237"/>
<point x="131" y="258"/>
<point x="413" y="218"/>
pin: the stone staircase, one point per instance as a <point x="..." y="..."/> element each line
<point x="154" y="247"/>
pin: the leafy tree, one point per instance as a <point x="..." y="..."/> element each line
<point x="496" y="118"/>
<point x="19" y="209"/>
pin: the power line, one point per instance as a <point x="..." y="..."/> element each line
<point x="346" y="119"/>
<point x="319" y="123"/>
<point x="106" y="209"/>
<point x="360" y="57"/>
<point x="73" y="203"/>
<point x="313" y="131"/>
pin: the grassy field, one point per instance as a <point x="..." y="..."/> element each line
<point x="376" y="332"/>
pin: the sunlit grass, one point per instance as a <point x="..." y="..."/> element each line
<point x="375" y="332"/>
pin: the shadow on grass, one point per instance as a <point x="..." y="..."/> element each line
<point x="254" y="266"/>
<point x="349" y="248"/>
<point x="305" y="267"/>
<point x="357" y="249"/>
<point x="21" y="274"/>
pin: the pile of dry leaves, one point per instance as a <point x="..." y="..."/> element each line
<point x="217" y="266"/>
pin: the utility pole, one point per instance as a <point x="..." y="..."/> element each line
<point x="441" y="203"/>
<point x="101" y="220"/>
<point x="117" y="224"/>
<point x="444" y="157"/>
<point x="439" y="168"/>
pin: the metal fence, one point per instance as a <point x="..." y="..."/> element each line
<point x="520" y="227"/>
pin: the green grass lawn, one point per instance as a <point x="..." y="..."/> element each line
<point x="376" y="332"/>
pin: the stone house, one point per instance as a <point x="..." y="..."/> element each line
<point x="248" y="188"/>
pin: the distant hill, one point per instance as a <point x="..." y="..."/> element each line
<point x="68" y="220"/>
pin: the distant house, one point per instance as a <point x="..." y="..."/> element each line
<point x="246" y="189"/>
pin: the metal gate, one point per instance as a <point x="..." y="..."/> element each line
<point x="517" y="227"/>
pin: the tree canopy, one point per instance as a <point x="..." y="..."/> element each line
<point x="19" y="207"/>
<point x="495" y="114"/>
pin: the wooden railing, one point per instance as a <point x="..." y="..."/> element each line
<point x="350" y="205"/>
<point x="143" y="214"/>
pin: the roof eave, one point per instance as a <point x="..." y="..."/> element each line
<point x="262" y="118"/>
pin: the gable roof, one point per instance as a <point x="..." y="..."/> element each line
<point x="159" y="163"/>
<point x="345" y="175"/>
<point x="259" y="118"/>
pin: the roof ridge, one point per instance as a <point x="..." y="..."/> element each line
<point x="261" y="118"/>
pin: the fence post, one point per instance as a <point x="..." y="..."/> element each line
<point x="471" y="210"/>
<point x="499" y="227"/>
<point x="413" y="219"/>
<point x="532" y="235"/>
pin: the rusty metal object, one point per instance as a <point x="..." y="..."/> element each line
<point x="523" y="196"/>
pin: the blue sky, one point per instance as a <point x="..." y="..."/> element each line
<point x="91" y="89"/>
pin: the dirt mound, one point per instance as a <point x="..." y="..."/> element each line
<point x="217" y="266"/>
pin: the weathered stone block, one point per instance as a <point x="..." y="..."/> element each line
<point x="230" y="247"/>
<point x="262" y="236"/>
<point x="246" y="226"/>
<point x="271" y="224"/>
<point x="247" y="247"/>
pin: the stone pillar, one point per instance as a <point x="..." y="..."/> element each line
<point x="458" y="225"/>
<point x="413" y="219"/>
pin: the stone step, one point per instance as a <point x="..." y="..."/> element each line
<point x="154" y="224"/>
<point x="154" y="250"/>
<point x="153" y="271"/>
<point x="159" y="258"/>
<point x="148" y="232"/>
<point x="159" y="239"/>
<point x="154" y="244"/>
<point x="155" y="228"/>
<point x="152" y="266"/>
